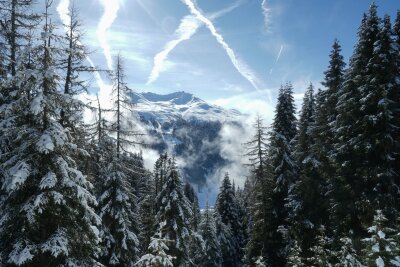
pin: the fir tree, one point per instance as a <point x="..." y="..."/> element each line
<point x="380" y="125"/>
<point x="260" y="196"/>
<point x="380" y="245"/>
<point x="192" y="197"/>
<point x="117" y="208"/>
<point x="294" y="255"/>
<point x="47" y="213"/>
<point x="212" y="252"/>
<point x="174" y="209"/>
<point x="323" y="131"/>
<point x="320" y="249"/>
<point x="226" y="240"/>
<point x="395" y="106"/>
<point x="347" y="255"/>
<point x="228" y="209"/>
<point x="147" y="215"/>
<point x="157" y="256"/>
<point x="353" y="146"/>
<point x="284" y="173"/>
<point x="118" y="199"/>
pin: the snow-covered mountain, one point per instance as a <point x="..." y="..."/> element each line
<point x="179" y="106"/>
<point x="188" y="127"/>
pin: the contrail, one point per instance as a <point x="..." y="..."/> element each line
<point x="267" y="15"/>
<point x="111" y="8"/>
<point x="240" y="66"/>
<point x="187" y="28"/>
<point x="279" y="54"/>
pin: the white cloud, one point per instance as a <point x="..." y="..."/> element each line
<point x="111" y="8"/>
<point x="259" y="102"/>
<point x="63" y="10"/>
<point x="240" y="66"/>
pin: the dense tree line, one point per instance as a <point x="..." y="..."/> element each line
<point x="323" y="188"/>
<point x="335" y="172"/>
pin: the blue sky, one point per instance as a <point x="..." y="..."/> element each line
<point x="231" y="53"/>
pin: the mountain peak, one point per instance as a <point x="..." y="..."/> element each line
<point x="177" y="98"/>
<point x="179" y="106"/>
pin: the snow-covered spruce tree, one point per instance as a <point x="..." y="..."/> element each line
<point x="260" y="262"/>
<point x="260" y="196"/>
<point x="117" y="199"/>
<point x="380" y="247"/>
<point x="196" y="243"/>
<point x="47" y="216"/>
<point x="212" y="248"/>
<point x="395" y="96"/>
<point x="380" y="125"/>
<point x="320" y="250"/>
<point x="294" y="256"/>
<point x="173" y="214"/>
<point x="306" y="198"/>
<point x="146" y="213"/>
<point x="228" y="208"/>
<point x="16" y="24"/>
<point x="193" y="199"/>
<point x="117" y="210"/>
<point x="157" y="256"/>
<point x="347" y="255"/>
<point x="323" y="131"/>
<point x="161" y="168"/>
<point x="284" y="174"/>
<point x="226" y="240"/>
<point x="355" y="151"/>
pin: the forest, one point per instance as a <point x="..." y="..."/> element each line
<point x="323" y="188"/>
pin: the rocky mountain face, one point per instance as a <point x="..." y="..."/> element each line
<point x="187" y="127"/>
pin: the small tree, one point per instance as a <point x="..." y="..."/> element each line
<point x="380" y="246"/>
<point x="157" y="256"/>
<point x="212" y="251"/>
<point x="294" y="255"/>
<point x="347" y="255"/>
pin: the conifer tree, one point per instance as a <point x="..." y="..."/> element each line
<point x="306" y="199"/>
<point x="380" y="247"/>
<point x="228" y="209"/>
<point x="47" y="213"/>
<point x="118" y="200"/>
<point x="226" y="240"/>
<point x="147" y="215"/>
<point x="395" y="96"/>
<point x="192" y="197"/>
<point x="347" y="255"/>
<point x="260" y="196"/>
<point x="173" y="208"/>
<point x="212" y="252"/>
<point x="294" y="255"/>
<point x="353" y="146"/>
<point x="321" y="253"/>
<point x="380" y="125"/>
<point x="324" y="128"/>
<point x="117" y="208"/>
<point x="157" y="256"/>
<point x="284" y="173"/>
